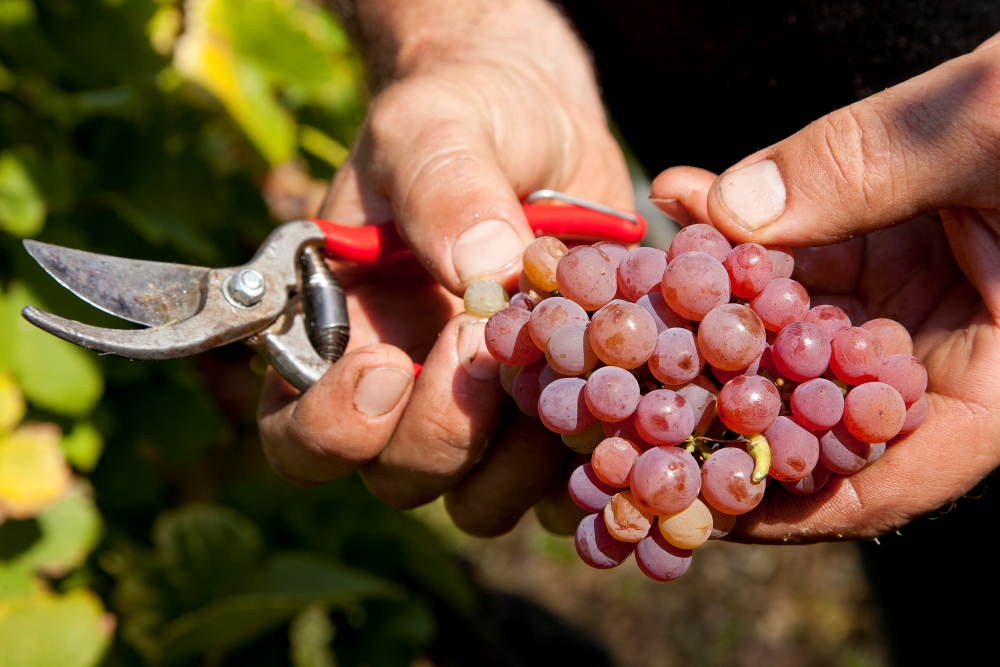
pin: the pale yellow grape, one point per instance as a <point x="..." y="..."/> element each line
<point x="689" y="529"/>
<point x="587" y="440"/>
<point x="507" y="375"/>
<point x="484" y="298"/>
<point x="540" y="260"/>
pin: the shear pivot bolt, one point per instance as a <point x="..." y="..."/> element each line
<point x="246" y="288"/>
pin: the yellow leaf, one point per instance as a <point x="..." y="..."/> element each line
<point x="33" y="470"/>
<point x="12" y="404"/>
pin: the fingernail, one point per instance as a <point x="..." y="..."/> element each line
<point x="379" y="390"/>
<point x="486" y="249"/>
<point x="754" y="194"/>
<point x="673" y="209"/>
<point x="472" y="353"/>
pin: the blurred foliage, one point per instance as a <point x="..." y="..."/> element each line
<point x="139" y="523"/>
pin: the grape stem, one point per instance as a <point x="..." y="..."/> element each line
<point x="760" y="451"/>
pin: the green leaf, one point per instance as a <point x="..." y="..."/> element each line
<point x="22" y="209"/>
<point x="309" y="637"/>
<point x="83" y="446"/>
<point x="53" y="631"/>
<point x="70" y="531"/>
<point x="15" y="13"/>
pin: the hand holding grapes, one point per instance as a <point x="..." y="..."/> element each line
<point x="929" y="144"/>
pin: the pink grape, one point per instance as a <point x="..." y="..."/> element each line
<point x="856" y="356"/>
<point x="676" y="359"/>
<point x="874" y="412"/>
<point x="616" y="251"/>
<point x="699" y="238"/>
<point x="613" y="459"/>
<point x="731" y="337"/>
<point x="748" y="404"/>
<point x="726" y="481"/>
<point x="552" y="314"/>
<point x="612" y="394"/>
<point x="801" y="351"/>
<point x="749" y="266"/>
<point x="587" y="276"/>
<point x="548" y="376"/>
<point x="794" y="450"/>
<point x="817" y="404"/>
<point x="892" y="336"/>
<point x="915" y="415"/>
<point x="875" y="452"/>
<point x="588" y="491"/>
<point x="664" y="318"/>
<point x="595" y="545"/>
<point x="753" y="369"/>
<point x="526" y="389"/>
<point x="701" y="395"/>
<point x="623" y="334"/>
<point x="830" y="319"/>
<point x="809" y="484"/>
<point x="722" y="523"/>
<point x="508" y="337"/>
<point x="665" y="480"/>
<point x="663" y="417"/>
<point x="523" y="301"/>
<point x="841" y="452"/>
<point x="782" y="302"/>
<point x="626" y="429"/>
<point x="641" y="272"/>
<point x="782" y="260"/>
<point x="562" y="407"/>
<point x="568" y="350"/>
<point x="906" y="375"/>
<point x="659" y="560"/>
<point x="695" y="283"/>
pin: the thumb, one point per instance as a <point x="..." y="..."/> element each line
<point x="926" y="144"/>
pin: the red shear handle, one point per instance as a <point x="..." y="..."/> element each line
<point x="378" y="244"/>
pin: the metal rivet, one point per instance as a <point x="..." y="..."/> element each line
<point x="246" y="288"/>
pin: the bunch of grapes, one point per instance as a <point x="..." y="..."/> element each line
<point x="692" y="377"/>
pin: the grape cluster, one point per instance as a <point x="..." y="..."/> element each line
<point x="692" y="377"/>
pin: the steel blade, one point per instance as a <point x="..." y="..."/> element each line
<point x="140" y="291"/>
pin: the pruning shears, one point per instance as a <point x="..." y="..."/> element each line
<point x="285" y="303"/>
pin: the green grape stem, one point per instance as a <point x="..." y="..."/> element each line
<point x="760" y="451"/>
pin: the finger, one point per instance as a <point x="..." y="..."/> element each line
<point x="519" y="468"/>
<point x="975" y="241"/>
<point x="682" y="193"/>
<point x="925" y="144"/>
<point x="339" y="424"/>
<point x="452" y="414"/>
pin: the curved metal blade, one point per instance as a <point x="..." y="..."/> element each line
<point x="150" y="293"/>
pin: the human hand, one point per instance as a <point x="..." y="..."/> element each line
<point x="447" y="152"/>
<point x="929" y="144"/>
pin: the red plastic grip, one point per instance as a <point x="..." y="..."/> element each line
<point x="378" y="244"/>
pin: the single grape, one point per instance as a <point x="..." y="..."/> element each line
<point x="749" y="266"/>
<point x="731" y="337"/>
<point x="613" y="459"/>
<point x="782" y="261"/>
<point x="801" y="351"/>
<point x="782" y="302"/>
<point x="841" y="452"/>
<point x="676" y="359"/>
<point x="522" y="300"/>
<point x="595" y="545"/>
<point x="701" y="395"/>
<point x="641" y="272"/>
<point x="508" y="337"/>
<point x="688" y="529"/>
<point x="625" y="519"/>
<point x="568" y="350"/>
<point x="616" y="251"/>
<point x="874" y="412"/>
<point x="794" y="450"/>
<point x="856" y="356"/>
<point x="663" y="417"/>
<point x="699" y="238"/>
<point x="695" y="283"/>
<point x="664" y="318"/>
<point x="817" y="404"/>
<point x="552" y="314"/>
<point x="892" y="336"/>
<point x="726" y="481"/>
<point x="540" y="260"/>
<point x="722" y="523"/>
<point x="485" y="297"/>
<point x="588" y="491"/>
<point x="659" y="560"/>
<point x="548" y="376"/>
<point x="905" y="374"/>
<point x="875" y="452"/>
<point x="622" y="334"/>
<point x="748" y="404"/>
<point x="526" y="390"/>
<point x="507" y="375"/>
<point x="612" y="393"/>
<point x="809" y="484"/>
<point x="830" y="319"/>
<point x="915" y="416"/>
<point x="626" y="429"/>
<point x="665" y="480"/>
<point x="585" y="441"/>
<point x="562" y="408"/>
<point x="587" y="276"/>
